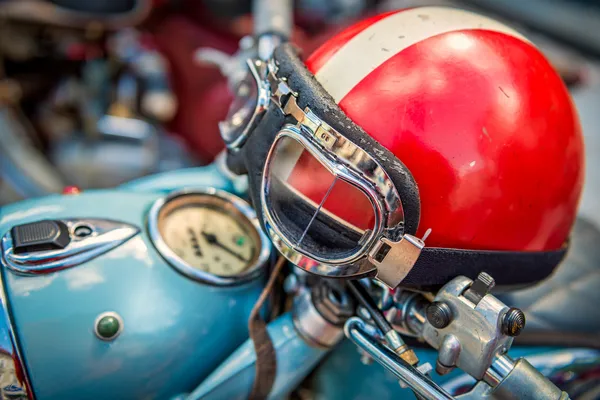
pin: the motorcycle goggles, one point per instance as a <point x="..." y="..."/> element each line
<point x="304" y="157"/>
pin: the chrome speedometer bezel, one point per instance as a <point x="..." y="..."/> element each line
<point x="241" y="207"/>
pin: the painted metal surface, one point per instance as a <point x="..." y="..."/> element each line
<point x="176" y="330"/>
<point x="481" y="119"/>
<point x="233" y="378"/>
<point x="209" y="176"/>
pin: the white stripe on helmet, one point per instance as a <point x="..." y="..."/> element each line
<point x="385" y="38"/>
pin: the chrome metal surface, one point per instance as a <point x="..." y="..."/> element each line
<point x="480" y="391"/>
<point x="555" y="365"/>
<point x="424" y="369"/>
<point x="14" y="378"/>
<point x="399" y="260"/>
<point x="239" y="182"/>
<point x="526" y="382"/>
<point x="385" y="297"/>
<point x="240" y="208"/>
<point x="295" y="253"/>
<point x="105" y="235"/>
<point x="273" y="17"/>
<point x="411" y="376"/>
<point x="448" y="354"/>
<point x="409" y="314"/>
<point x="478" y="328"/>
<point x="500" y="368"/>
<point x="235" y="129"/>
<point x="394" y="340"/>
<point x="311" y="325"/>
<point x="348" y="157"/>
<point x="267" y="45"/>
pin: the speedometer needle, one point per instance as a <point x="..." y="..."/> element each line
<point x="212" y="239"/>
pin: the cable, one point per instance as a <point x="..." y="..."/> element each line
<point x="365" y="299"/>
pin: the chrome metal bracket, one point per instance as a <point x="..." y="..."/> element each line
<point x="473" y="338"/>
<point x="394" y="260"/>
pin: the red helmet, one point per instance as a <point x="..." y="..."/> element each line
<point x="477" y="114"/>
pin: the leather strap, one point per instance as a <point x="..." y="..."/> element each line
<point x="266" y="360"/>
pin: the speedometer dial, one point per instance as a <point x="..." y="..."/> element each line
<point x="210" y="240"/>
<point x="209" y="235"/>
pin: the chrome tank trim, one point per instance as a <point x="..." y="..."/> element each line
<point x="104" y="236"/>
<point x="165" y="251"/>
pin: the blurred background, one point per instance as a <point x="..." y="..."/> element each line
<point x="95" y="93"/>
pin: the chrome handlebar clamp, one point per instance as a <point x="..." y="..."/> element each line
<point x="464" y="323"/>
<point x="472" y="330"/>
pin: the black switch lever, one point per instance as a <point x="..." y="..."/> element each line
<point x="479" y="288"/>
<point x="40" y="236"/>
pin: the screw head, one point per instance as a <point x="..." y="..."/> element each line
<point x="439" y="314"/>
<point x="513" y="322"/>
<point x="108" y="326"/>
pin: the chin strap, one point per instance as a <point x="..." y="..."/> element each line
<point x="266" y="360"/>
<point x="436" y="266"/>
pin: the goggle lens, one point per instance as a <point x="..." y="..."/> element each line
<point x="242" y="109"/>
<point x="317" y="211"/>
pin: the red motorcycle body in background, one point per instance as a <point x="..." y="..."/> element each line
<point x="202" y="91"/>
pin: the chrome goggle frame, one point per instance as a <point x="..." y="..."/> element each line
<point x="386" y="248"/>
<point x="258" y="69"/>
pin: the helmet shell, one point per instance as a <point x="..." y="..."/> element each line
<point x="476" y="112"/>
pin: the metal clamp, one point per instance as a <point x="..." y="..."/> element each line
<point x="399" y="259"/>
<point x="472" y="337"/>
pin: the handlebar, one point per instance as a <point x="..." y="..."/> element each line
<point x="411" y="376"/>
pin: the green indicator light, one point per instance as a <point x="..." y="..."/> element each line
<point x="108" y="326"/>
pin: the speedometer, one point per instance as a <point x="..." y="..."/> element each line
<point x="211" y="236"/>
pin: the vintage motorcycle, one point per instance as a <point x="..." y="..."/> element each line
<point x="160" y="288"/>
